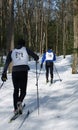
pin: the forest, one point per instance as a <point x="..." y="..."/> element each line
<point x="43" y="24"/>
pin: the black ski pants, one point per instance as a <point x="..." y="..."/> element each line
<point x="49" y="69"/>
<point x="19" y="79"/>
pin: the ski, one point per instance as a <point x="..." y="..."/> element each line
<point x="15" y="116"/>
<point x="26" y="116"/>
<point x="49" y="84"/>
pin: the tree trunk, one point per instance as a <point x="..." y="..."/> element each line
<point x="64" y="38"/>
<point x="10" y="37"/>
<point x="1" y="22"/>
<point x="46" y="37"/>
<point x="56" y="38"/>
<point x="10" y="26"/>
<point x="75" y="52"/>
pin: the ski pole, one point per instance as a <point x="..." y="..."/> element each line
<point x="1" y="85"/>
<point x="39" y="73"/>
<point x="37" y="88"/>
<point x="38" y="76"/>
<point x="57" y="73"/>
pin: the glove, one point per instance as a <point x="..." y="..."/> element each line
<point x="36" y="58"/>
<point x="41" y="66"/>
<point x="4" y="77"/>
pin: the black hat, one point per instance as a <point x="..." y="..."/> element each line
<point x="21" y="42"/>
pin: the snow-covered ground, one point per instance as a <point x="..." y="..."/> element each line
<point x="58" y="103"/>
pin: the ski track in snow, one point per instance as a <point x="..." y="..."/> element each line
<point x="58" y="103"/>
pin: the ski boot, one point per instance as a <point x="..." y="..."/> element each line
<point x="51" y="80"/>
<point x="19" y="107"/>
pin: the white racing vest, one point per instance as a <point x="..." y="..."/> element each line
<point x="19" y="56"/>
<point x="49" y="55"/>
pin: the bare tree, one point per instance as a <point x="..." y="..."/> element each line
<point x="0" y="22"/>
<point x="75" y="52"/>
<point x="10" y="26"/>
<point x="37" y="21"/>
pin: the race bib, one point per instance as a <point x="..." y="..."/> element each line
<point x="20" y="56"/>
<point x="49" y="56"/>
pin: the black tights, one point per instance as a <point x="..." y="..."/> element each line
<point x="19" y="79"/>
<point x="49" y="69"/>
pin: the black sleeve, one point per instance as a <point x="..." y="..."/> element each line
<point x="32" y="54"/>
<point x="7" y="62"/>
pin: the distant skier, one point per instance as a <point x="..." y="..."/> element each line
<point x="19" y="56"/>
<point x="49" y="57"/>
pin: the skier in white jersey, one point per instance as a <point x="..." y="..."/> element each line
<point x="19" y="56"/>
<point x="49" y="57"/>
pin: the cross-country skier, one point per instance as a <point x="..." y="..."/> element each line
<point x="19" y="57"/>
<point x="49" y="57"/>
